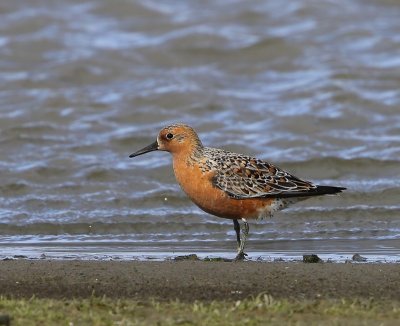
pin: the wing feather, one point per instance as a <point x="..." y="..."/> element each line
<point x="246" y="177"/>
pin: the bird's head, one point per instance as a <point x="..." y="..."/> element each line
<point x="176" y="139"/>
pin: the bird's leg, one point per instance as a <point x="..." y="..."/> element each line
<point x="243" y="237"/>
<point x="236" y="226"/>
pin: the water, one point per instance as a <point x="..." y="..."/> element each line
<point x="313" y="86"/>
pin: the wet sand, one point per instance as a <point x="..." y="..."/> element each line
<point x="197" y="280"/>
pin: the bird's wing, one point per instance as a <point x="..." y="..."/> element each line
<point x="245" y="177"/>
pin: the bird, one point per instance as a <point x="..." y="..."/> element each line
<point x="230" y="185"/>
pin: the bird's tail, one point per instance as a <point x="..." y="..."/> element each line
<point x="328" y="190"/>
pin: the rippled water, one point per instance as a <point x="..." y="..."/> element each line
<point x="313" y="86"/>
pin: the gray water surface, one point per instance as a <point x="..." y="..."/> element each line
<point x="312" y="86"/>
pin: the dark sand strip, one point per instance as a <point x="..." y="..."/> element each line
<point x="197" y="280"/>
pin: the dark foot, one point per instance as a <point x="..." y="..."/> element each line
<point x="240" y="256"/>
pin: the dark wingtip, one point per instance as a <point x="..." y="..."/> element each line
<point x="318" y="191"/>
<point x="328" y="190"/>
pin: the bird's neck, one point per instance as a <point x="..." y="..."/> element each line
<point x="190" y="156"/>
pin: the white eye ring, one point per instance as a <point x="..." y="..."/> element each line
<point x="169" y="136"/>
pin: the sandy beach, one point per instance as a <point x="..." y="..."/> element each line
<point x="197" y="280"/>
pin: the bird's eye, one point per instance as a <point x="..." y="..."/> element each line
<point x="170" y="136"/>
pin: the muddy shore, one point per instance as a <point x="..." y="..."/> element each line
<point x="197" y="280"/>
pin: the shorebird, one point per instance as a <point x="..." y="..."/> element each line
<point x="230" y="185"/>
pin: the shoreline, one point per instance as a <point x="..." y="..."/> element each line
<point x="197" y="280"/>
